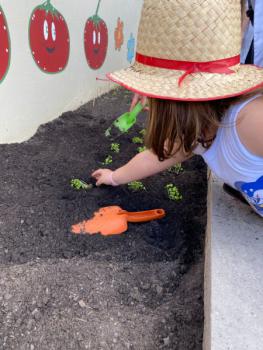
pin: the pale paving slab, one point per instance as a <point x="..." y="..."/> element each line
<point x="236" y="319"/>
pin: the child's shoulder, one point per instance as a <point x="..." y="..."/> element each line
<point x="250" y="126"/>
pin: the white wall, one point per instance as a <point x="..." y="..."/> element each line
<point x="30" y="97"/>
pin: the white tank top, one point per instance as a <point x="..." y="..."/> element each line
<point x="231" y="161"/>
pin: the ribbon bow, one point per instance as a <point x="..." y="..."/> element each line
<point x="221" y="66"/>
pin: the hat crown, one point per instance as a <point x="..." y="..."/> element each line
<point x="190" y="30"/>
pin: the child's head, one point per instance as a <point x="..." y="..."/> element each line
<point x="183" y="123"/>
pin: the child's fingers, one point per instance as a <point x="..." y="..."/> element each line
<point x="99" y="181"/>
<point x="96" y="173"/>
<point x="144" y="101"/>
<point x="98" y="176"/>
<point x="134" y="101"/>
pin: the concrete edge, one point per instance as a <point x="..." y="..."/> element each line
<point x="207" y="273"/>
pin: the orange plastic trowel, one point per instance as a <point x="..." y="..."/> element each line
<point x="114" y="221"/>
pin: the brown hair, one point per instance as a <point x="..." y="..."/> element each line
<point x="183" y="123"/>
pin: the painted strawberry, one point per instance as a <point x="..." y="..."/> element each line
<point x="4" y="46"/>
<point x="49" y="38"/>
<point x="96" y="40"/>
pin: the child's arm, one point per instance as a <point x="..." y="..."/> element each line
<point x="144" y="164"/>
<point x="250" y="125"/>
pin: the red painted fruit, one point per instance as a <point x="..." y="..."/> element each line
<point x="49" y="38"/>
<point x="4" y="46"/>
<point x="96" y="40"/>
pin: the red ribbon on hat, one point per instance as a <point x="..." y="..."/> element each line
<point x="218" y="66"/>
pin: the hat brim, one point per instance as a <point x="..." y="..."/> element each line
<point x="163" y="83"/>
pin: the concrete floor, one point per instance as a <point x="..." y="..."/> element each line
<point x="234" y="274"/>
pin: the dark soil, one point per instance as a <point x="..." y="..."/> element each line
<point x="140" y="290"/>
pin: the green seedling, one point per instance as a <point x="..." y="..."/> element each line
<point x="143" y="132"/>
<point x="108" y="160"/>
<point x="136" y="186"/>
<point x="115" y="147"/>
<point x="141" y="149"/>
<point x="173" y="192"/>
<point x="176" y="169"/>
<point x="115" y="91"/>
<point x="78" y="184"/>
<point x="127" y="93"/>
<point x="137" y="140"/>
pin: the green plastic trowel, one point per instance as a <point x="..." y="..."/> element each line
<point x="126" y="120"/>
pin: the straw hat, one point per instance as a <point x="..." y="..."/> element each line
<point x="189" y="50"/>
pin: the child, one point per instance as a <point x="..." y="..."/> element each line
<point x="201" y="100"/>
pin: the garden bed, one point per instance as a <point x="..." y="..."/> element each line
<point x="148" y="281"/>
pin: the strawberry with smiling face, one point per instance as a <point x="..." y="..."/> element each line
<point x="96" y="40"/>
<point x="4" y="46"/>
<point x="49" y="38"/>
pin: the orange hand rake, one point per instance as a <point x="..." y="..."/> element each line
<point x="114" y="221"/>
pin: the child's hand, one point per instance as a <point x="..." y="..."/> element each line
<point x="103" y="177"/>
<point x="139" y="98"/>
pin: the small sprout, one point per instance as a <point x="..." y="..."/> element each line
<point x="115" y="147"/>
<point x="143" y="132"/>
<point x="108" y="160"/>
<point x="80" y="184"/>
<point x="136" y="186"/>
<point x="115" y="91"/>
<point x="141" y="149"/>
<point x="176" y="169"/>
<point x="173" y="192"/>
<point x="137" y="140"/>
